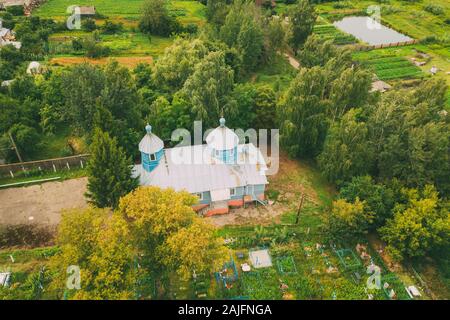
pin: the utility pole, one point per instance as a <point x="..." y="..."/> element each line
<point x="15" y="147"/>
<point x="300" y="208"/>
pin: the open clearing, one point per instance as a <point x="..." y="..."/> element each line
<point x="129" y="62"/>
<point x="41" y="204"/>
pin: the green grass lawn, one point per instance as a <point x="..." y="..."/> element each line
<point x="122" y="10"/>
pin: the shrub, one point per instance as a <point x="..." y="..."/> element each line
<point x="89" y="25"/>
<point x="112" y="28"/>
<point x="15" y="10"/>
<point x="434" y="9"/>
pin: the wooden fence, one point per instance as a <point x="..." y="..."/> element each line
<point x="388" y="45"/>
<point x="55" y="165"/>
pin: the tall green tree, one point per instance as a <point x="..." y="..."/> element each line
<point x="109" y="172"/>
<point x="347" y="152"/>
<point x="177" y="64"/>
<point x="156" y="19"/>
<point x="302" y="17"/>
<point x="243" y="30"/>
<point x="209" y="88"/>
<point x="82" y="86"/>
<point x="302" y="112"/>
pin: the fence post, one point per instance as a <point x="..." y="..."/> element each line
<point x="54" y="167"/>
<point x="67" y="163"/>
<point x="11" y="173"/>
<point x="81" y="162"/>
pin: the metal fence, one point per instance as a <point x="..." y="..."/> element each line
<point x="55" y="165"/>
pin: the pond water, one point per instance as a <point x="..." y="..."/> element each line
<point x="370" y="31"/>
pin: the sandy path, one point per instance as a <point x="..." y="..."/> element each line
<point x="41" y="204"/>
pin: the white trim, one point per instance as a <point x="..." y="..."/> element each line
<point x="199" y="195"/>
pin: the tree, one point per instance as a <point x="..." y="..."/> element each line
<point x="98" y="242"/>
<point x="169" y="234"/>
<point x="347" y="151"/>
<point x="243" y="30"/>
<point x="348" y="220"/>
<point x="411" y="140"/>
<point x="157" y="20"/>
<point x="27" y="140"/>
<point x="378" y="198"/>
<point x="81" y="86"/>
<point x="109" y="172"/>
<point x="317" y="52"/>
<point x="302" y="18"/>
<point x="216" y="11"/>
<point x="302" y="113"/>
<point x="177" y="64"/>
<point x="419" y="226"/>
<point x="276" y="37"/>
<point x="265" y="108"/>
<point x="208" y="89"/>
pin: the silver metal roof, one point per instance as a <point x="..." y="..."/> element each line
<point x="150" y="143"/>
<point x="192" y="168"/>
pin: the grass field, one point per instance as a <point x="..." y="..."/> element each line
<point x="122" y="10"/>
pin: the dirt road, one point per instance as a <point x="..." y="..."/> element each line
<point x="41" y="204"/>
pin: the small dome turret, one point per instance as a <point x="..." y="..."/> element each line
<point x="151" y="148"/>
<point x="223" y="143"/>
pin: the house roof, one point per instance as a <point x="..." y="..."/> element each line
<point x="222" y="138"/>
<point x="11" y="3"/>
<point x="87" y="10"/>
<point x="380" y="86"/>
<point x="193" y="169"/>
<point x="150" y="143"/>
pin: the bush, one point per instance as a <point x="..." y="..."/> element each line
<point x="112" y="28"/>
<point x="191" y="28"/>
<point x="89" y="25"/>
<point x="95" y="50"/>
<point x="15" y="10"/>
<point x="434" y="9"/>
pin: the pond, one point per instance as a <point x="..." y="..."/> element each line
<point x="370" y="31"/>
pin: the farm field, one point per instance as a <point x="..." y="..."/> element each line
<point x="330" y="32"/>
<point x="130" y="43"/>
<point x="127" y="11"/>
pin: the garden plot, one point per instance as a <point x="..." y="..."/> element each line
<point x="330" y="32"/>
<point x="390" y="68"/>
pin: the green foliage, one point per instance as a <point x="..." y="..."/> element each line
<point x="302" y="17"/>
<point x="109" y="172"/>
<point x="208" y="89"/>
<point x="379" y="199"/>
<point x="419" y="225"/>
<point x="302" y="112"/>
<point x="157" y="20"/>
<point x="177" y="64"/>
<point x="317" y="52"/>
<point x="347" y="151"/>
<point x="243" y="30"/>
<point x="348" y="220"/>
<point x="411" y="136"/>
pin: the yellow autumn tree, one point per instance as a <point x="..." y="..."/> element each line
<point x="169" y="234"/>
<point x="97" y="242"/>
